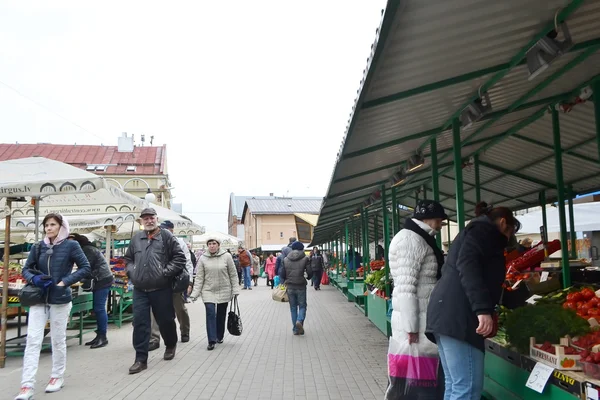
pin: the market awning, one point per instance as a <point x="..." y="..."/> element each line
<point x="586" y="218"/>
<point x="432" y="60"/>
<point x="310" y="219"/>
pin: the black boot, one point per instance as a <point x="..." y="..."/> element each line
<point x="102" y="341"/>
<point x="93" y="341"/>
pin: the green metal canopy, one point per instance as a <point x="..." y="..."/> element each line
<point x="430" y="60"/>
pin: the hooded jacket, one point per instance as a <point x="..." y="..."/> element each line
<point x="293" y="268"/>
<point x="101" y="273"/>
<point x="284" y="253"/>
<point x="151" y="262"/>
<point x="471" y="283"/>
<point x="57" y="265"/>
<point x="216" y="278"/>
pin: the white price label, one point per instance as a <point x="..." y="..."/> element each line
<point x="533" y="299"/>
<point x="374" y="291"/>
<point x="544" y="276"/>
<point x="591" y="393"/>
<point x="539" y="377"/>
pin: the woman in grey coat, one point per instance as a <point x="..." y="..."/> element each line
<point x="217" y="283"/>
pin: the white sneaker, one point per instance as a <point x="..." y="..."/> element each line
<point x="55" y="385"/>
<point x="26" y="393"/>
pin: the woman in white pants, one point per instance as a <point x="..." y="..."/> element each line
<point x="49" y="267"/>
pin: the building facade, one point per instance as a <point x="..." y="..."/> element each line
<point x="270" y="222"/>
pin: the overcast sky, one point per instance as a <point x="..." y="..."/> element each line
<point x="251" y="97"/>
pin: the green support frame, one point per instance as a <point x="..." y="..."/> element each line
<point x="386" y="239"/>
<point x="460" y="196"/>
<point x="560" y="183"/>
<point x="572" y="233"/>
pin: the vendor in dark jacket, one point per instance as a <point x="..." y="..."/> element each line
<point x="154" y="258"/>
<point x="459" y="315"/>
<point x="292" y="271"/>
<point x="100" y="279"/>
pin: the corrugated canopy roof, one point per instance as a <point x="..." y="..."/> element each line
<point x="428" y="62"/>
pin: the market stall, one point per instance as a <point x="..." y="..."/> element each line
<point x="33" y="178"/>
<point x="462" y="102"/>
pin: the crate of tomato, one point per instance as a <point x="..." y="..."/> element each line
<point x="585" y="302"/>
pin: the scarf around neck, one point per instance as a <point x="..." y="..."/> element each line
<point x="413" y="226"/>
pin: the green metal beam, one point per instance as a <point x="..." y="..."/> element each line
<point x="386" y="239"/>
<point x="572" y="232"/>
<point x="560" y="187"/>
<point x="517" y="174"/>
<point x="433" y="132"/>
<point x="506" y="67"/>
<point x="550" y="147"/>
<point x="596" y="89"/>
<point x="544" y="215"/>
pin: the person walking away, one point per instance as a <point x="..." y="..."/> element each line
<point x="216" y="282"/>
<point x="293" y="268"/>
<point x="101" y="280"/>
<point x="181" y="311"/>
<point x="459" y="315"/>
<point x="255" y="270"/>
<point x="317" y="265"/>
<point x="270" y="269"/>
<point x="284" y="253"/>
<point x="154" y="258"/>
<point x="246" y="264"/>
<point x="415" y="265"/>
<point x="238" y="268"/>
<point x="49" y="266"/>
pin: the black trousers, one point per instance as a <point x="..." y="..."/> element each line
<point x="161" y="304"/>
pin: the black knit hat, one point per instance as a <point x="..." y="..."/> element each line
<point x="429" y="209"/>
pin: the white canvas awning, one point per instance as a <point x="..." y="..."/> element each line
<point x="586" y="217"/>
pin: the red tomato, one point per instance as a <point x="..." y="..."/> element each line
<point x="571" y="304"/>
<point x="588" y="294"/>
<point x="574" y="297"/>
<point x="593" y="312"/>
<point x="594" y="300"/>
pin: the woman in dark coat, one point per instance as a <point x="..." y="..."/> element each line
<point x="101" y="279"/>
<point x="459" y="315"/>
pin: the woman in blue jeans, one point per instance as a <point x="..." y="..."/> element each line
<point x="292" y="275"/>
<point x="461" y="306"/>
<point x="101" y="279"/>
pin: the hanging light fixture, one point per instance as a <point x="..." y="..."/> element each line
<point x="476" y="110"/>
<point x="548" y="49"/>
<point x="398" y="179"/>
<point x="416" y="161"/>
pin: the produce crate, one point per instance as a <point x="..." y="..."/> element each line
<point x="558" y="360"/>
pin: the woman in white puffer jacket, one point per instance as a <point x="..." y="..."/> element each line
<point x="415" y="265"/>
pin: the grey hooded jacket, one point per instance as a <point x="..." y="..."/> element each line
<point x="293" y="268"/>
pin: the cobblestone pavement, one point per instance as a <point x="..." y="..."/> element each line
<point x="342" y="356"/>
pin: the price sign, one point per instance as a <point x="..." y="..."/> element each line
<point x="517" y="284"/>
<point x="374" y="291"/>
<point x="544" y="276"/>
<point x="539" y="377"/>
<point x="533" y="299"/>
<point x="591" y="393"/>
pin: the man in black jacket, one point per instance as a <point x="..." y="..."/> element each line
<point x="295" y="270"/>
<point x="153" y="258"/>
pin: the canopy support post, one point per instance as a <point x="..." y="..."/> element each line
<point x="572" y="223"/>
<point x="596" y="100"/>
<point x="347" y="242"/>
<point x="36" y="213"/>
<point x="386" y="239"/>
<point x="367" y="241"/>
<point x="560" y="183"/>
<point x="544" y="222"/>
<point x="5" y="284"/>
<point x="376" y="232"/>
<point x="458" y="176"/>
<point x="435" y="183"/>
<point x="395" y="219"/>
<point x="477" y="180"/>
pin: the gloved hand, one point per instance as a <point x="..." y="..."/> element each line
<point x="42" y="281"/>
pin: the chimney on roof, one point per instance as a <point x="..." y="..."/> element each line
<point x="270" y="194"/>
<point x="125" y="143"/>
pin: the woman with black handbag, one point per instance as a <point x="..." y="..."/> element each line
<point x="49" y="267"/>
<point x="217" y="283"/>
<point x="100" y="281"/>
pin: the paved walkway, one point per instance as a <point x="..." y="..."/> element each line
<point x="342" y="356"/>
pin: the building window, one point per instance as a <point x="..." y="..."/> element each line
<point x="281" y="234"/>
<point x="304" y="234"/>
<point x="269" y="235"/>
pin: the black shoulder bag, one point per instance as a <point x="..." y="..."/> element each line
<point x="181" y="282"/>
<point x="31" y="295"/>
<point x="234" y="321"/>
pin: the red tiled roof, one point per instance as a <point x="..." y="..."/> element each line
<point x="147" y="160"/>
